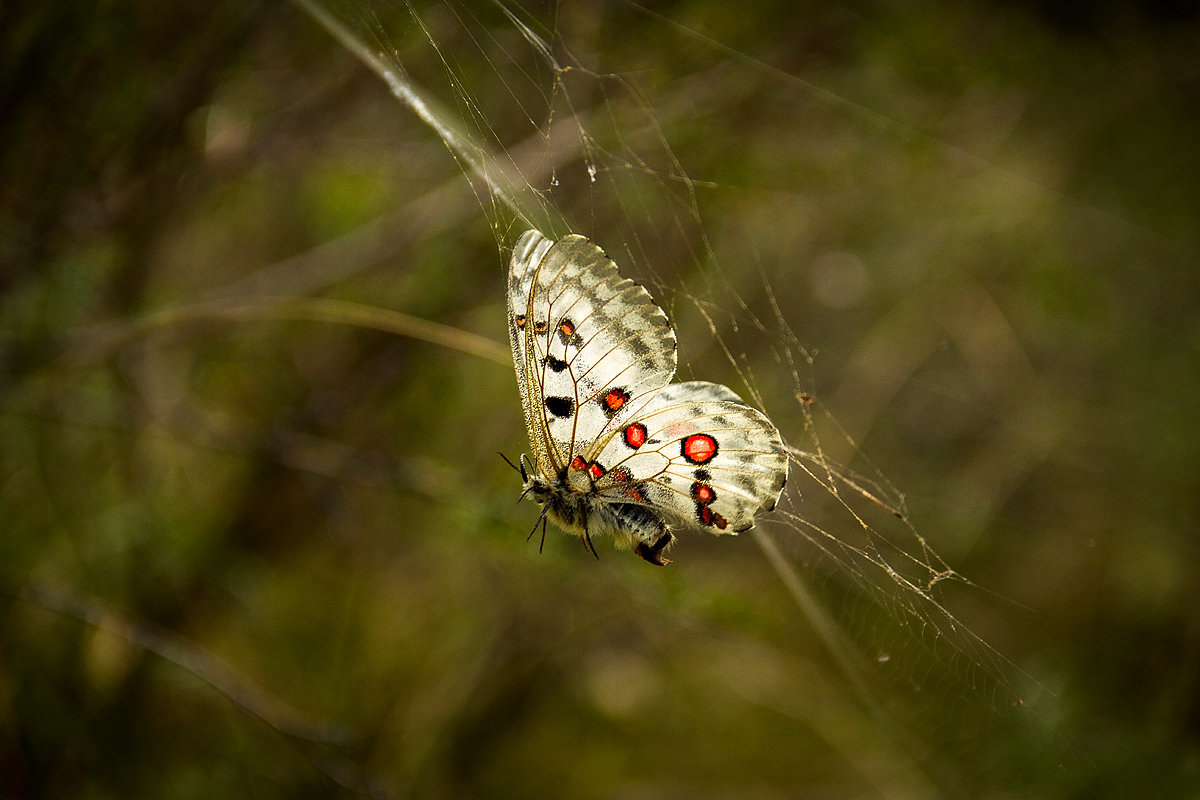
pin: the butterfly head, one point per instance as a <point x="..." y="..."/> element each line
<point x="535" y="485"/>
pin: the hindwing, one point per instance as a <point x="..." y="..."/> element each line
<point x="700" y="455"/>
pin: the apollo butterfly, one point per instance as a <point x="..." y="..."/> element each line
<point x="617" y="448"/>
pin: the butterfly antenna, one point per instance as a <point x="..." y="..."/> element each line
<point x="524" y="477"/>
<point x="520" y="469"/>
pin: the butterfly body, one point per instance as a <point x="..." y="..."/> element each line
<point x="616" y="448"/>
<point x="583" y="510"/>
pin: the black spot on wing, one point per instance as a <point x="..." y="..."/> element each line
<point x="561" y="407"/>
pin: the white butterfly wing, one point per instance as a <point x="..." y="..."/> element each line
<point x="590" y="347"/>
<point x="698" y="454"/>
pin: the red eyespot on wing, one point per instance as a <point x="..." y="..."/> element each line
<point x="635" y="435"/>
<point x="614" y="400"/>
<point x="521" y="321"/>
<point x="595" y="470"/>
<point x="703" y="494"/>
<point x="620" y="475"/>
<point x="709" y="517"/>
<point x="578" y="463"/>
<point x="567" y="333"/>
<point x="699" y="448"/>
<point x="540" y="326"/>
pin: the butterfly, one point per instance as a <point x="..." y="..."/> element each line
<point x="617" y="448"/>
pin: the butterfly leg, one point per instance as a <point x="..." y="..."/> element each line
<point x="587" y="540"/>
<point x="653" y="552"/>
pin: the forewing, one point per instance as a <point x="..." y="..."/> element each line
<point x="699" y="455"/>
<point x="590" y="347"/>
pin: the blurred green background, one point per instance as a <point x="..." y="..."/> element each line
<point x="254" y="536"/>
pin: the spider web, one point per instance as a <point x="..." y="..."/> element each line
<point x="561" y="119"/>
